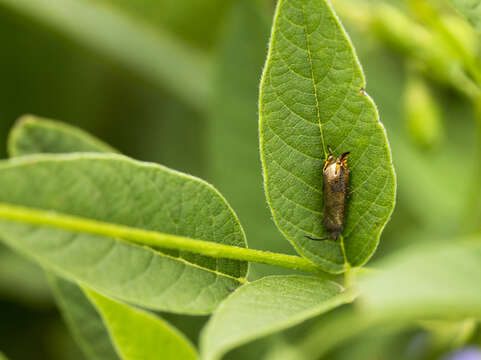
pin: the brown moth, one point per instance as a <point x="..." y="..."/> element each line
<point x="335" y="182"/>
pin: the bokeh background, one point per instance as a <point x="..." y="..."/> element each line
<point x="176" y="82"/>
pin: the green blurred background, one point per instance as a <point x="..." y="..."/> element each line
<point x="176" y="82"/>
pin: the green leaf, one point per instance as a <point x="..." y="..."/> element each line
<point x="434" y="281"/>
<point x="138" y="334"/>
<point x="82" y="319"/>
<point x="266" y="306"/>
<point x="196" y="22"/>
<point x="2" y="356"/>
<point x="471" y="9"/>
<point x="22" y="280"/>
<point x="144" y="49"/>
<point x="312" y="95"/>
<point x="34" y="135"/>
<point x="117" y="190"/>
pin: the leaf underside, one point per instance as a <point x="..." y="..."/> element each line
<point x="116" y="189"/>
<point x="83" y="319"/>
<point x="312" y="96"/>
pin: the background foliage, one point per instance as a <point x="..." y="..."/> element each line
<point x="199" y="115"/>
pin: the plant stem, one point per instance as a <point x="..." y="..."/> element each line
<point x="153" y="238"/>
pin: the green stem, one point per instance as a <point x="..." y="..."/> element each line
<point x="153" y="238"/>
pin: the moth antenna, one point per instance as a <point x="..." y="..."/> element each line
<point x="315" y="239"/>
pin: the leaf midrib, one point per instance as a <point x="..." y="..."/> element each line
<point x="311" y="68"/>
<point x="41" y="217"/>
<point x="84" y="225"/>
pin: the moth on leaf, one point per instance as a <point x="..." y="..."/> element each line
<point x="335" y="184"/>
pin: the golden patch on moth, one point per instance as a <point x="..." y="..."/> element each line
<point x="335" y="185"/>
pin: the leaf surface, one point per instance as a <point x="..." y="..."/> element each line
<point x="115" y="189"/>
<point x="138" y="334"/>
<point x="266" y="306"/>
<point x="312" y="96"/>
<point x="82" y="319"/>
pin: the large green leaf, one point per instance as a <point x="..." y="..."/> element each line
<point x="312" y="95"/>
<point x="266" y="306"/>
<point x="138" y="334"/>
<point x="471" y="9"/>
<point x="143" y="48"/>
<point x="118" y="190"/>
<point x="83" y="320"/>
<point x="435" y="281"/>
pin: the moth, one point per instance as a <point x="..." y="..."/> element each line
<point x="335" y="183"/>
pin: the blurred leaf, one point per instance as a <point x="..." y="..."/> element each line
<point x="471" y="9"/>
<point x="3" y="357"/>
<point x="436" y="281"/>
<point x="196" y="22"/>
<point x="138" y="334"/>
<point x="82" y="319"/>
<point x="423" y="114"/>
<point x="148" y="51"/>
<point x="312" y="96"/>
<point x="119" y="190"/>
<point x="34" y="135"/>
<point x="232" y="125"/>
<point x="388" y="341"/>
<point x="22" y="280"/>
<point x="266" y="306"/>
<point x="324" y="334"/>
<point x="449" y="335"/>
